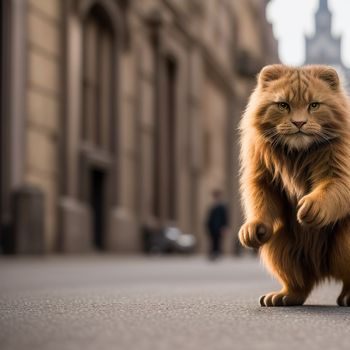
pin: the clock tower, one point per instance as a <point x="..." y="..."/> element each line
<point x="323" y="47"/>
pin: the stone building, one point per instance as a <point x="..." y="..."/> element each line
<point x="323" y="47"/>
<point x="119" y="117"/>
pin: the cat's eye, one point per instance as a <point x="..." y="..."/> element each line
<point x="313" y="106"/>
<point x="283" y="106"/>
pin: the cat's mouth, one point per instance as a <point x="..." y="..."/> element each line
<point x="299" y="132"/>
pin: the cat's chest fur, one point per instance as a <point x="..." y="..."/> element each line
<point x="294" y="185"/>
<point x="292" y="178"/>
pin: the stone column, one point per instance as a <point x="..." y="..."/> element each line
<point x="29" y="214"/>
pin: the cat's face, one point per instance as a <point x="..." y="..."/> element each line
<point x="298" y="107"/>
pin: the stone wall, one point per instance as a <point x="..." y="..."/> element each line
<point x="215" y="48"/>
<point x="43" y="112"/>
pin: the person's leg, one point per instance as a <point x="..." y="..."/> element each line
<point x="210" y="245"/>
<point x="215" y="244"/>
<point x="218" y="244"/>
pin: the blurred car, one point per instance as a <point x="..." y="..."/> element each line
<point x="169" y="240"/>
<point x="176" y="241"/>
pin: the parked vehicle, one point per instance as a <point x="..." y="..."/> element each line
<point x="169" y="240"/>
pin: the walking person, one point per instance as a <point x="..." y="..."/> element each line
<point x="216" y="224"/>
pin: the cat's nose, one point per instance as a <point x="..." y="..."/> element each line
<point x="298" y="124"/>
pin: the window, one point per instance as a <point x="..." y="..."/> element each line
<point x="165" y="146"/>
<point x="97" y="80"/>
<point x="171" y="137"/>
<point x="99" y="64"/>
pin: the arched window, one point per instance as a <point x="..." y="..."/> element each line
<point x="165" y="145"/>
<point x="171" y="77"/>
<point x="97" y="113"/>
<point x="97" y="80"/>
<point x="90" y="171"/>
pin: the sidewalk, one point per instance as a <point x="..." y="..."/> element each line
<point x="157" y="303"/>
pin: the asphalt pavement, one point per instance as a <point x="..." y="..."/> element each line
<point x="108" y="302"/>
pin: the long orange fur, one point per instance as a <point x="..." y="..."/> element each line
<point x="295" y="180"/>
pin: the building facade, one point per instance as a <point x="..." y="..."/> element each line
<point x="119" y="117"/>
<point x="323" y="47"/>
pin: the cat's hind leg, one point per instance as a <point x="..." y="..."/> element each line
<point x="279" y="256"/>
<point x="287" y="296"/>
<point x="344" y="297"/>
<point x="340" y="261"/>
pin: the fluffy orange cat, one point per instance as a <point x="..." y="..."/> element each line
<point x="295" y="180"/>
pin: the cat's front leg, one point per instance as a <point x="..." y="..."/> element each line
<point x="254" y="234"/>
<point x="262" y="216"/>
<point x="262" y="205"/>
<point x="324" y="205"/>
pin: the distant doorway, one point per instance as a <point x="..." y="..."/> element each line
<point x="98" y="206"/>
<point x="98" y="118"/>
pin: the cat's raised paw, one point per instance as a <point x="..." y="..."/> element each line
<point x="311" y="212"/>
<point x="254" y="234"/>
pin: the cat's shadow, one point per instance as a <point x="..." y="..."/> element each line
<point x="311" y="309"/>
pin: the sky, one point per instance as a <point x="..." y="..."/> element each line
<point x="293" y="19"/>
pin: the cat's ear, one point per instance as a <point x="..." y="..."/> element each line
<point x="271" y="73"/>
<point x="327" y="74"/>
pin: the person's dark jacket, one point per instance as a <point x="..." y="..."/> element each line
<point x="217" y="218"/>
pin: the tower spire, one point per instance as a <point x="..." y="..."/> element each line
<point x="323" y="5"/>
<point x="323" y="18"/>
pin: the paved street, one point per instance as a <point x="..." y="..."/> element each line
<point x="158" y="303"/>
